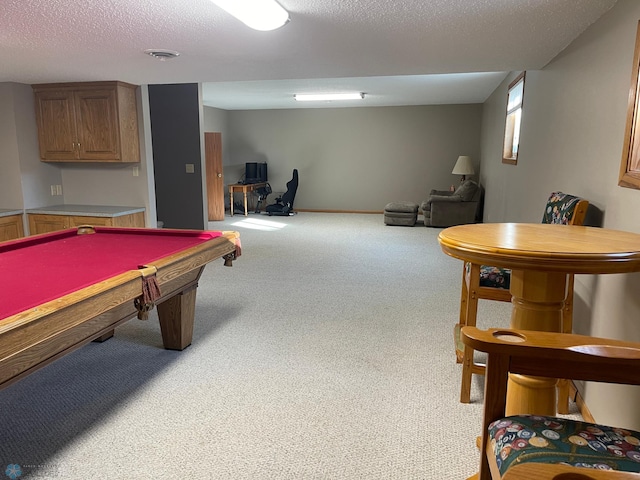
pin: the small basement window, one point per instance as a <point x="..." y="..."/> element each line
<point x="514" y="117"/>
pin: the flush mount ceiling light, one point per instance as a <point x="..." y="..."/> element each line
<point x="161" y="54"/>
<point x="318" y="97"/>
<point x="258" y="14"/>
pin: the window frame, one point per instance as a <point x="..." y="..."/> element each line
<point x="630" y="164"/>
<point x="513" y="124"/>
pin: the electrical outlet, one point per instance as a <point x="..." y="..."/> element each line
<point x="136" y="171"/>
<point x="58" y="189"/>
<point x="190" y="167"/>
<point x="53" y="190"/>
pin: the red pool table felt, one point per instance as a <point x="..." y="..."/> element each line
<point x="39" y="269"/>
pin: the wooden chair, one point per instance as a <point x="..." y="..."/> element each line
<point x="491" y="283"/>
<point x="563" y="449"/>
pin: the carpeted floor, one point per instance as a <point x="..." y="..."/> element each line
<point x="326" y="352"/>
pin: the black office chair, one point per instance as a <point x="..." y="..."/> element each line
<point x="284" y="203"/>
<point x="263" y="193"/>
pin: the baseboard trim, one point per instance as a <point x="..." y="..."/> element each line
<point x="582" y="406"/>
<point x="313" y="210"/>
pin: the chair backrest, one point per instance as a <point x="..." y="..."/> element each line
<point x="547" y="354"/>
<point x="469" y="191"/>
<point x="565" y="209"/>
<point x="292" y="188"/>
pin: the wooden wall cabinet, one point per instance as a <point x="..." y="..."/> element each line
<point x="11" y="227"/>
<point x="45" y="223"/>
<point x="87" y="122"/>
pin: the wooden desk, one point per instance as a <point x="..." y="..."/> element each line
<point x="540" y="257"/>
<point x="244" y="188"/>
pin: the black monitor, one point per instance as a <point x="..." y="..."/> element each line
<point x="255" y="172"/>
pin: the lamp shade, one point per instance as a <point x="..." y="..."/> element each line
<point x="463" y="166"/>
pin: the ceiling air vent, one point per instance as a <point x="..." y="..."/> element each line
<point x="161" y="54"/>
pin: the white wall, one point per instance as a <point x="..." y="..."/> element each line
<point x="357" y="159"/>
<point x="573" y="124"/>
<point x="36" y="176"/>
<point x="25" y="181"/>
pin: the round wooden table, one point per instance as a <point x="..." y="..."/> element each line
<point x="540" y="257"/>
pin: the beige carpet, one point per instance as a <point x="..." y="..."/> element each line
<point x="326" y="352"/>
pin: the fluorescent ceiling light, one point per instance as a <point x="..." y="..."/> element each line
<point x="257" y="14"/>
<point x="314" y="97"/>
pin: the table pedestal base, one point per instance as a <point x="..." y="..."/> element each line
<point x="538" y="301"/>
<point x="533" y="395"/>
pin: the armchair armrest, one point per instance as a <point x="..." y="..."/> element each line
<point x="444" y="193"/>
<point x="444" y="198"/>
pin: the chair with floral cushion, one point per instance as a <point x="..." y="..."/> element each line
<point x="542" y="447"/>
<point x="492" y="283"/>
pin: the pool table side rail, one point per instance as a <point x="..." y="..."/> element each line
<point x="30" y="340"/>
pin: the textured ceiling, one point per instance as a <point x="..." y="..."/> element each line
<point x="355" y="44"/>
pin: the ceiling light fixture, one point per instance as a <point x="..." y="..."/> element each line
<point x="318" y="97"/>
<point x="258" y="14"/>
<point x="161" y="54"/>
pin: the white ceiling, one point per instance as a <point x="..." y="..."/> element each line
<point x="399" y="52"/>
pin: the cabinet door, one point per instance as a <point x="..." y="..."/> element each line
<point x="11" y="228"/>
<point x="133" y="220"/>
<point x="97" y="120"/>
<point x="55" y="115"/>
<point x="43" y="223"/>
<point x="76" y="221"/>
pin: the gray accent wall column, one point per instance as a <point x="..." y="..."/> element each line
<point x="175" y="134"/>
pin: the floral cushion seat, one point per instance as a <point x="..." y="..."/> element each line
<point x="495" y="277"/>
<point x="528" y="438"/>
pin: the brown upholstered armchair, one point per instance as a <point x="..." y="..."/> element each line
<point x="445" y="209"/>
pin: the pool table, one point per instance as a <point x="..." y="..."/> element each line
<point x="62" y="290"/>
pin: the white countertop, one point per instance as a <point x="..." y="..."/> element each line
<point x="87" y="210"/>
<point x="4" y="212"/>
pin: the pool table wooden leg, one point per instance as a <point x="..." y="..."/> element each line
<point x="105" y="337"/>
<point x="176" y="319"/>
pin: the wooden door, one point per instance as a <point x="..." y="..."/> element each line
<point x="215" y="180"/>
